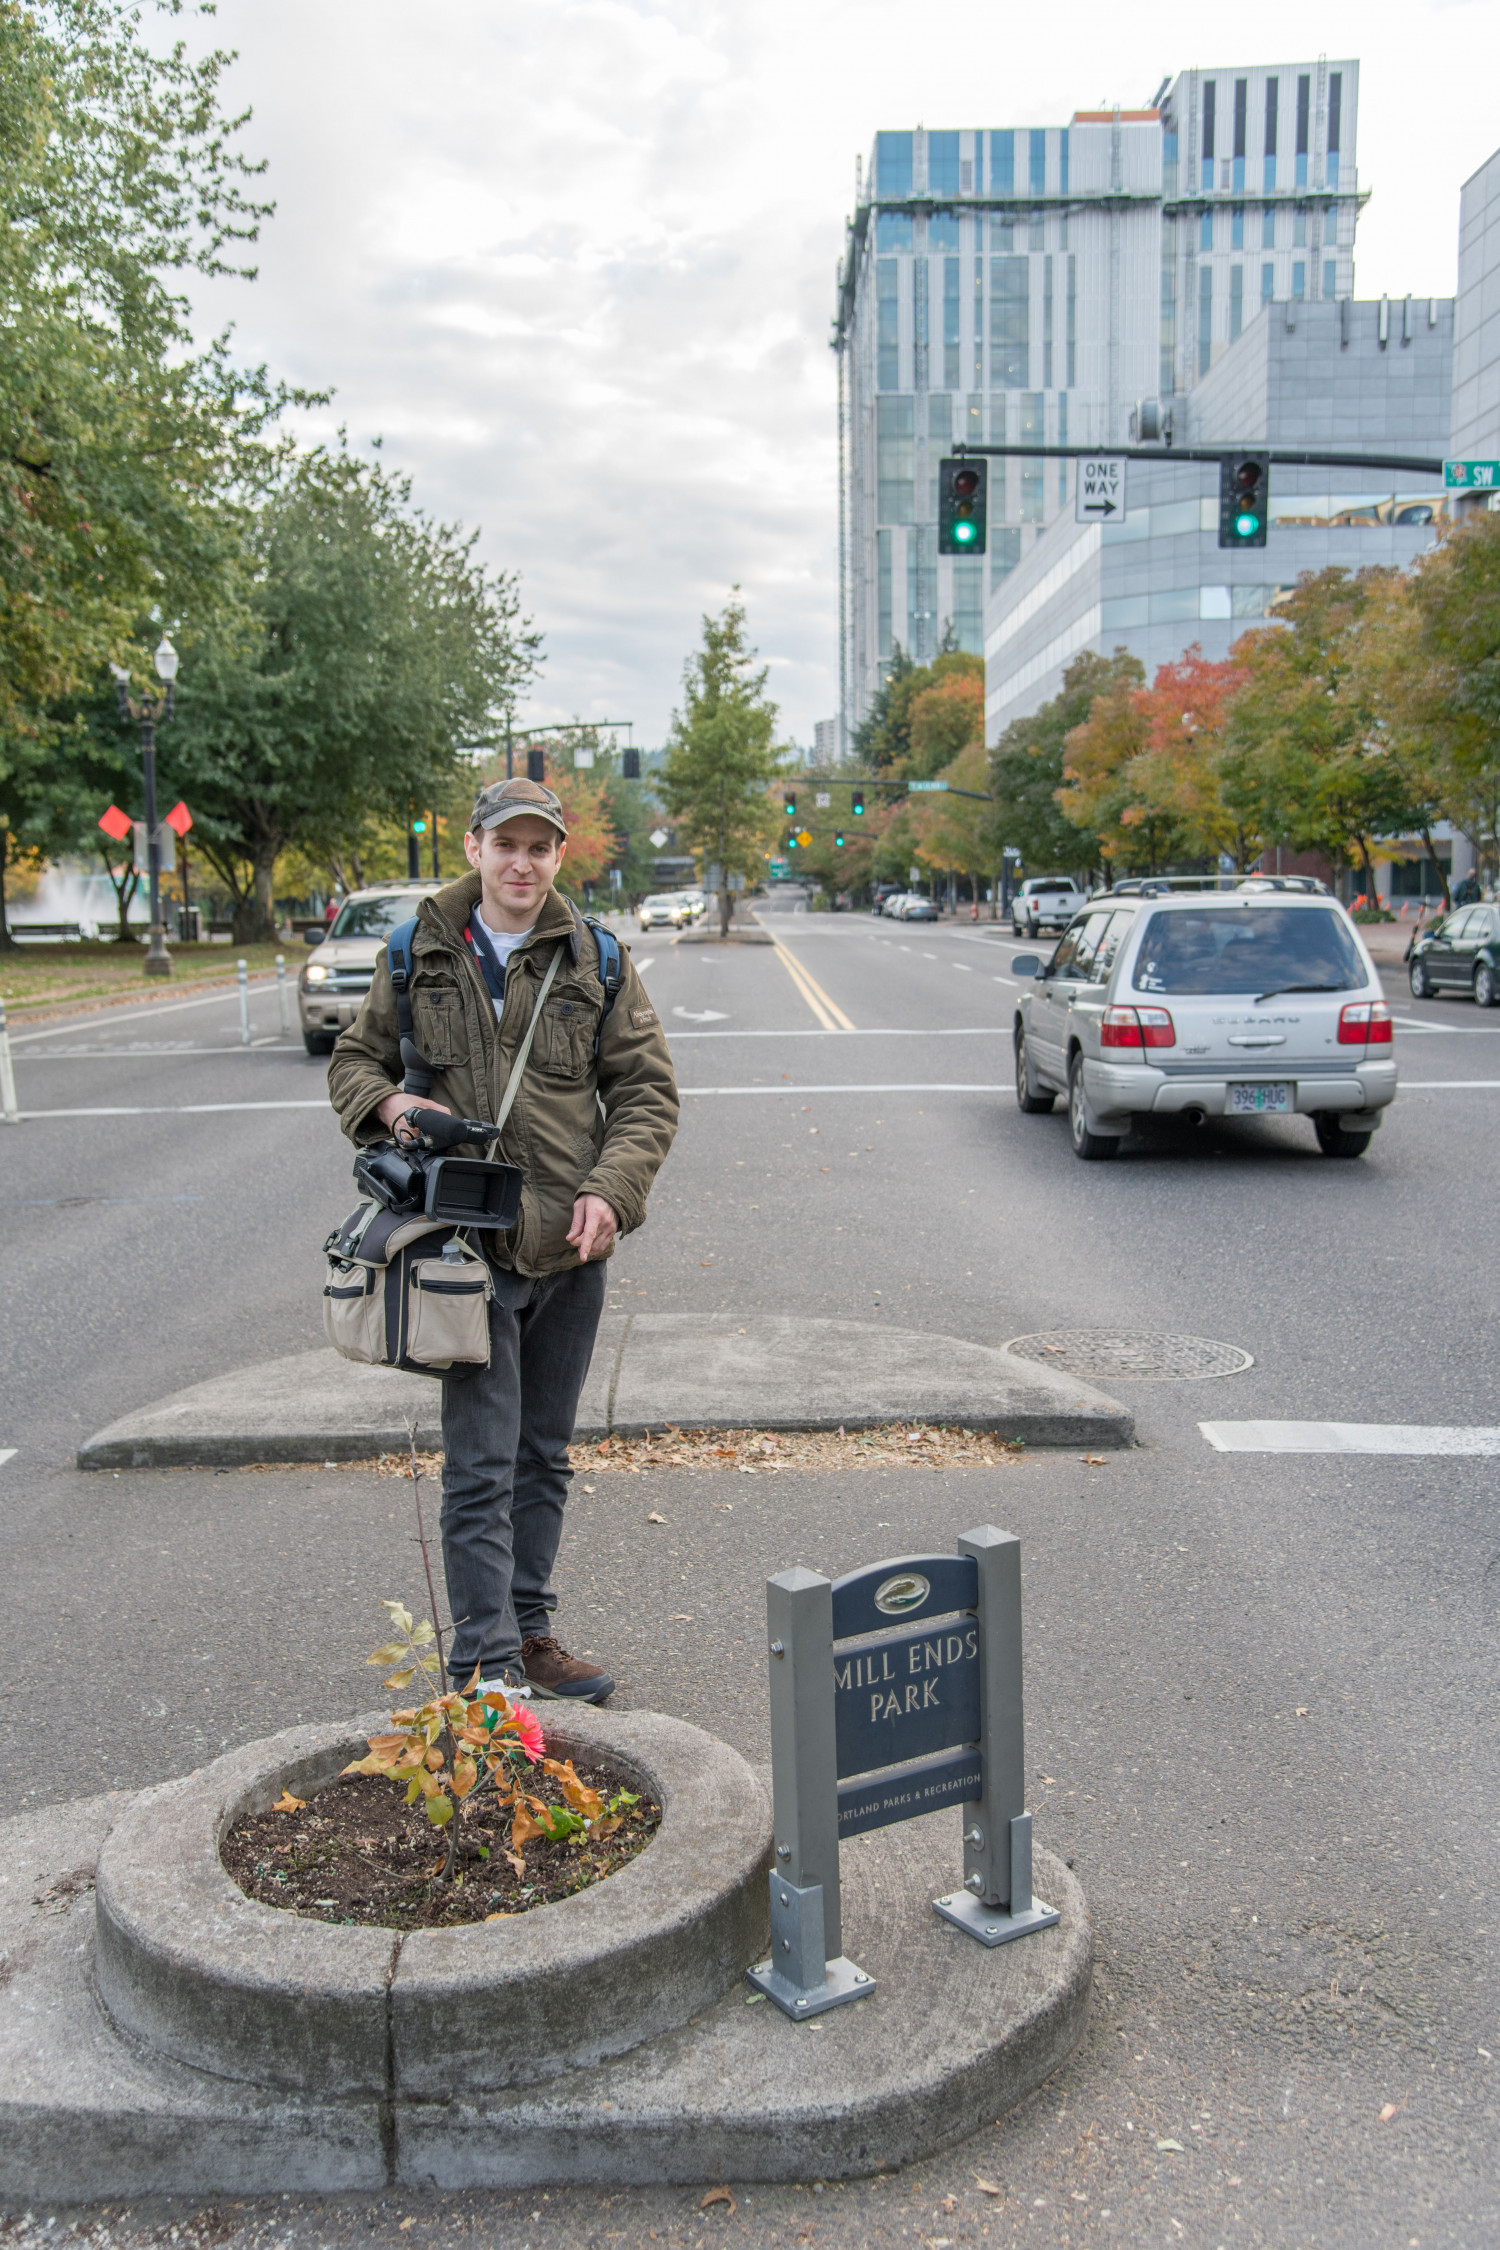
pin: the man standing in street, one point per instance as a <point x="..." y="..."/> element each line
<point x="592" y="1121"/>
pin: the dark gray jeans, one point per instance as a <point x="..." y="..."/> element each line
<point x="505" y="1470"/>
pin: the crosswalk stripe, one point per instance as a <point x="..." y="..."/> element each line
<point x="1349" y="1437"/>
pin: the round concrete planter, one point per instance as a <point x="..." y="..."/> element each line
<point x="199" y="1972"/>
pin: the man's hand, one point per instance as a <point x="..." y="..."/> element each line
<point x="396" y="1105"/>
<point x="594" y="1227"/>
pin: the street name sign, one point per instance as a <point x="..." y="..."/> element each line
<point x="1472" y="476"/>
<point x="895" y="1691"/>
<point x="1099" y="490"/>
<point x="927" y="785"/>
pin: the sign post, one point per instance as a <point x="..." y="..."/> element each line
<point x="1099" y="492"/>
<point x="895" y="1690"/>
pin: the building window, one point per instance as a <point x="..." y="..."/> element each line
<point x="1005" y="553"/>
<point x="942" y="163"/>
<point x="1062" y="439"/>
<point x="951" y="338"/>
<point x="1335" y="122"/>
<point x="1046" y="324"/>
<point x="1036" y="230"/>
<point x="1010" y="323"/>
<point x="1241" y="106"/>
<point x="977" y="378"/>
<point x="1205" y="318"/>
<point x="1037" y="176"/>
<point x="1169" y="158"/>
<point x="1002" y="163"/>
<point x="1299" y="229"/>
<point x="1033" y="473"/>
<point x="1236" y="301"/>
<point x="940" y="418"/>
<point x="1002" y="234"/>
<point x="895" y="491"/>
<point x="1268" y="230"/>
<point x="883" y="582"/>
<point x="1299" y="277"/>
<point x="893" y="230"/>
<point x="1330" y="277"/>
<point x="1206" y="230"/>
<point x="893" y="164"/>
<point x="887" y="323"/>
<point x="1166" y="379"/>
<point x="1062" y="161"/>
<point x="1304" y="105"/>
<point x="1237" y="227"/>
<point x="968" y="605"/>
<point x="1267" y="282"/>
<point x="1071" y="377"/>
<point x="966" y="177"/>
<point x="919" y="322"/>
<point x="1207" y="173"/>
<point x="942" y="231"/>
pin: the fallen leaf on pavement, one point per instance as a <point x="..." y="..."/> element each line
<point x="1092" y="1460"/>
<point x="1175" y="2145"/>
<point x="654" y="1518"/>
<point x="405" y="2224"/>
<point x="286" y="1802"/>
<point x="501" y="1917"/>
<point x="1300" y="1712"/>
<point x="1394" y="2109"/>
<point x="987" y="2187"/>
<point x="719" y="2195"/>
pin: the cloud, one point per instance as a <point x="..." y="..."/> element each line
<point x="574" y="263"/>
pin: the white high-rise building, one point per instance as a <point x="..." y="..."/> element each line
<point x="1030" y="286"/>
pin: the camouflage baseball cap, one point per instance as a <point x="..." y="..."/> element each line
<point x="504" y="800"/>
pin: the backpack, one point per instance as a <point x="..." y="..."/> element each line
<point x="419" y="1075"/>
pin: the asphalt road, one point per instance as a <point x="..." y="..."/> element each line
<point x="1260" y="1688"/>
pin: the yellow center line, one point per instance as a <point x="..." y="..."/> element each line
<point x="828" y="1013"/>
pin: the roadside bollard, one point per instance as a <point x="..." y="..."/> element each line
<point x="244" y="973"/>
<point x="9" y="1112"/>
<point x="281" y="1000"/>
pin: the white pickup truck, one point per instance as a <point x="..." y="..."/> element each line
<point x="1046" y="902"/>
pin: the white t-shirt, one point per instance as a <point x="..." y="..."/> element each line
<point x="502" y="944"/>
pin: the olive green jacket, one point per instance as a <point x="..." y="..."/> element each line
<point x="581" y="1124"/>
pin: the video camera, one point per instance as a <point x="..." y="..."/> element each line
<point x="419" y="1178"/>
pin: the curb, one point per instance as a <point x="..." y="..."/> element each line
<point x="649" y="1371"/>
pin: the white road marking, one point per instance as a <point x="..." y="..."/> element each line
<point x="138" y="1052"/>
<point x="226" y="993"/>
<point x="786" y="1088"/>
<point x="648" y="963"/>
<point x="703" y="1015"/>
<point x="176" y="1109"/>
<point x="966" y="966"/>
<point x="1348" y="1437"/>
<point x="8" y="1453"/>
<point x="864" y="1031"/>
<point x="1446" y="1085"/>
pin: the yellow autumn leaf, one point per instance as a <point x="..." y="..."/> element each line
<point x="434" y="1761"/>
<point x="440" y="1811"/>
<point x="506" y="1915"/>
<point x="400" y="1679"/>
<point x="286" y="1802"/>
<point x="422" y="1634"/>
<point x="389" y="1652"/>
<point x="523" y="1827"/>
<point x="465" y="1774"/>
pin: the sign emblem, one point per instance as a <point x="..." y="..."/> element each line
<point x="905" y="1592"/>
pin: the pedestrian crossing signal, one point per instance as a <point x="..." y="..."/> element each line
<point x="963" y="491"/>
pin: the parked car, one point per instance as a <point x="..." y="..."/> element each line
<point x="917" y="907"/>
<point x="892" y="903"/>
<point x="1461" y="953"/>
<point x="1230" y="1004"/>
<point x="333" y="984"/>
<point x="880" y="894"/>
<point x="1045" y="902"/>
<point x="662" y="910"/>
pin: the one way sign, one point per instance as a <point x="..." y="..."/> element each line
<point x="1100" y="492"/>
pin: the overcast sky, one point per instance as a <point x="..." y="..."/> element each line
<point x="574" y="262"/>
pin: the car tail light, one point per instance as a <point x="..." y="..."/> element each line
<point x="1137" y="1028"/>
<point x="1365" y="1023"/>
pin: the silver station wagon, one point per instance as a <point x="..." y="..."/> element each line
<point x="1243" y="1003"/>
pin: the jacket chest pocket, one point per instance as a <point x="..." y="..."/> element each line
<point x="564" y="1046"/>
<point x="437" y="1012"/>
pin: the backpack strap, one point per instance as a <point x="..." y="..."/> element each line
<point x="418" y="1070"/>
<point x="611" y="973"/>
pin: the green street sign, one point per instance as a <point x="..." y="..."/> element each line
<point x="1472" y="476"/>
<point x="927" y="785"/>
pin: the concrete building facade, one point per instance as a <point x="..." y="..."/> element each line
<point x="1029" y="286"/>
<point x="1476" y="341"/>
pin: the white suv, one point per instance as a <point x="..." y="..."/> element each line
<point x="1045" y="902"/>
<point x="331" y="989"/>
<point x="1239" y="1003"/>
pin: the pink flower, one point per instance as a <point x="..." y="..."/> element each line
<point x="529" y="1728"/>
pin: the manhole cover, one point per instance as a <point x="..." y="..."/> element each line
<point x="1121" y="1352"/>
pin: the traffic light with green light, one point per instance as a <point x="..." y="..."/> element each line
<point x="419" y="826"/>
<point x="1244" y="490"/>
<point x="790" y="802"/>
<point x="857" y="804"/>
<point x="838" y="843"/>
<point x="963" y="489"/>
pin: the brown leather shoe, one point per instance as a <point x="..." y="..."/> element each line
<point x="552" y="1673"/>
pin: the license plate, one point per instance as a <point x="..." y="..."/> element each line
<point x="1256" y="1100"/>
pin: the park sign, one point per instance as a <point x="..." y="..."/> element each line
<point x="1471" y="476"/>
<point x="895" y="1690"/>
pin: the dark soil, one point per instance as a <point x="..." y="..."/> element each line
<point x="355" y="1854"/>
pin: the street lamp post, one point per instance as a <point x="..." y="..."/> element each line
<point x="148" y="710"/>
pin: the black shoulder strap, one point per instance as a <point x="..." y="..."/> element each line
<point x="418" y="1071"/>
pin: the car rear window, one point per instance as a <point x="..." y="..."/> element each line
<point x="375" y="917"/>
<point x="1247" y="949"/>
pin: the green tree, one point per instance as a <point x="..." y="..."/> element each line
<point x="1451" y="681"/>
<point x="367" y="649"/>
<point x="119" y="436"/>
<point x="720" y="758"/>
<point x="1026" y="767"/>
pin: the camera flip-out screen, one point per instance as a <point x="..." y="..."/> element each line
<point x="468" y="1191"/>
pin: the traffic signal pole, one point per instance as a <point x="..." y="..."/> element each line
<point x="1278" y="456"/>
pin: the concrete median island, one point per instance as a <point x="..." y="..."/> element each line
<point x="161" y="2032"/>
<point x="650" y="1371"/>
